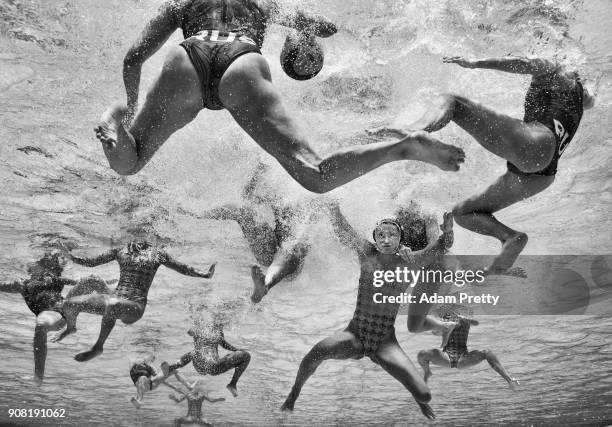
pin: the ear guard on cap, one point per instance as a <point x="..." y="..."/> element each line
<point x="388" y="221"/>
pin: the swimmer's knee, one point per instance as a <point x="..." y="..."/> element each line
<point x="245" y="356"/>
<point x="422" y="394"/>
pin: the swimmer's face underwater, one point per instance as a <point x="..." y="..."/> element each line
<point x="387" y="238"/>
<point x="588" y="97"/>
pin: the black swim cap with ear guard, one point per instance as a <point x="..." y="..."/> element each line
<point x="388" y="221"/>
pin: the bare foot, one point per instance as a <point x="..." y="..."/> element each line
<point x="232" y="390"/>
<point x="259" y="282"/>
<point x="88" y="355"/>
<point x="511" y="249"/>
<point x="427" y="375"/>
<point x="513" y="383"/>
<point x="109" y="124"/>
<point x="37" y="380"/>
<point x="288" y="406"/>
<point x="384" y="131"/>
<point x="422" y="146"/>
<point x="427" y="411"/>
<point x="135" y="402"/>
<point x="63" y="334"/>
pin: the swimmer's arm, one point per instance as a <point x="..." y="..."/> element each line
<point x="213" y="400"/>
<point x="154" y="35"/>
<point x="15" y="287"/>
<point x="188" y="270"/>
<point x="225" y="212"/>
<point x="228" y="346"/>
<point x="104" y="258"/>
<point x="508" y="64"/>
<point x="345" y="231"/>
<point x="441" y="245"/>
<point x="432" y="232"/>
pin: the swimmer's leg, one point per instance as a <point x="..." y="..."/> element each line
<point x="183" y="420"/>
<point x="418" y="318"/>
<point x="92" y="303"/>
<point x="474" y="357"/>
<point x="117" y="308"/>
<point x="45" y="322"/>
<point x="287" y="260"/>
<point x="142" y="386"/>
<point x="183" y="361"/>
<point x="246" y="90"/>
<point x="238" y="359"/>
<point x="173" y="101"/>
<point x="528" y="146"/>
<point x="392" y="359"/>
<point x="342" y="345"/>
<point x="434" y="356"/>
<point x="476" y="214"/>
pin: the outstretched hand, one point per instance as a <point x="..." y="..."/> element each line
<point x="406" y="254"/>
<point x="447" y="229"/>
<point x="459" y="60"/>
<point x="211" y="271"/>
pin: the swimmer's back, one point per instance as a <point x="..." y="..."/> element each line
<point x="245" y="17"/>
<point x="555" y="96"/>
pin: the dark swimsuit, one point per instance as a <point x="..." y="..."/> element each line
<point x="373" y="323"/>
<point x="40" y="296"/>
<point x="457" y="342"/>
<point x="217" y="32"/>
<point x="551" y="102"/>
<point x="142" y="370"/>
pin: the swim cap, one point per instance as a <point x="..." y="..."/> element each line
<point x="388" y="221"/>
<point x="301" y="57"/>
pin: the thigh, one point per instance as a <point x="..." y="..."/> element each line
<point x="393" y="360"/>
<point x="225" y="363"/>
<point x="471" y="358"/>
<point x="418" y="310"/>
<point x="50" y="320"/>
<point x="246" y="90"/>
<point x="531" y="145"/>
<point x="437" y="357"/>
<point x="174" y="99"/>
<point x="92" y="303"/>
<point x="127" y="311"/>
<point x="341" y="345"/>
<point x="487" y="125"/>
<point x="507" y="190"/>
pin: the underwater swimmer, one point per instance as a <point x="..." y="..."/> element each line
<point x="205" y="355"/>
<point x="42" y="293"/>
<point x="220" y="66"/>
<point x="532" y="147"/>
<point x="281" y="247"/>
<point x="138" y="262"/>
<point x="371" y="332"/>
<point x="146" y="378"/>
<point x="195" y="397"/>
<point x="456" y="355"/>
